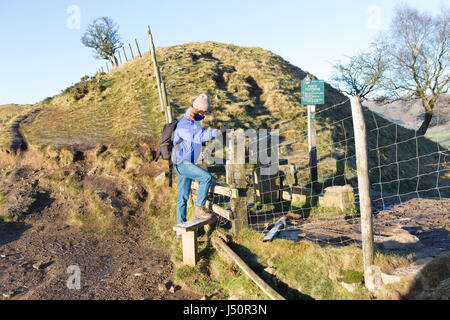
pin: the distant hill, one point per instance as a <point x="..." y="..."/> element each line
<point x="410" y="115"/>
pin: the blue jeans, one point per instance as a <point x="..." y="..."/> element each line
<point x="187" y="172"/>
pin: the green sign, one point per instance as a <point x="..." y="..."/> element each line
<point x="312" y="92"/>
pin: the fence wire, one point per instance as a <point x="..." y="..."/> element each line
<point x="408" y="173"/>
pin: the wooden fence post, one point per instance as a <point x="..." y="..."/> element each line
<point x="312" y="148"/>
<point x="137" y="46"/>
<point x="107" y="67"/>
<point x="120" y="56"/>
<point x="166" y="102"/>
<point x="125" y="54"/>
<point x="131" y="50"/>
<point x="236" y="177"/>
<point x="155" y="65"/>
<point x="359" y="128"/>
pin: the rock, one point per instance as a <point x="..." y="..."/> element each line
<point x="388" y="278"/>
<point x="400" y="240"/>
<point x="42" y="265"/>
<point x="161" y="287"/>
<point x="269" y="270"/>
<point x="348" y="286"/>
<point x="9" y="294"/>
<point x="138" y="274"/>
<point x="341" y="197"/>
<point x="233" y="297"/>
<point x="36" y="266"/>
<point x="160" y="179"/>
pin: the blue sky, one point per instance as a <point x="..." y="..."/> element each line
<point x="41" y="52"/>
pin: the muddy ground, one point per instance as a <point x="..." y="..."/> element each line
<point x="41" y="251"/>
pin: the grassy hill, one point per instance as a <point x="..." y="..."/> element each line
<point x="410" y="115"/>
<point x="249" y="88"/>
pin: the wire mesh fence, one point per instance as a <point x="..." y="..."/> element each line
<point x="403" y="167"/>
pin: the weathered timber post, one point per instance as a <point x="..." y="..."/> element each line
<point x="107" y="67"/>
<point x="103" y="71"/>
<point x="125" y="54"/>
<point x="235" y="167"/>
<point x="312" y="148"/>
<point x="169" y="115"/>
<point x="120" y="57"/>
<point x="131" y="50"/>
<point x="137" y="46"/>
<point x="155" y="65"/>
<point x="359" y="128"/>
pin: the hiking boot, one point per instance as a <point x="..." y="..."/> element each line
<point x="202" y="213"/>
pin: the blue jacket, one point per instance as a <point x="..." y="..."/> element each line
<point x="193" y="137"/>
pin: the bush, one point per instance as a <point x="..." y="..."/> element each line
<point x="47" y="100"/>
<point x="86" y="84"/>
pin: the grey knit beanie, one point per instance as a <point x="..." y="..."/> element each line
<point x="202" y="103"/>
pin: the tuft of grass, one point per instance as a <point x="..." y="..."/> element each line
<point x="351" y="276"/>
<point x="193" y="277"/>
<point x="2" y="200"/>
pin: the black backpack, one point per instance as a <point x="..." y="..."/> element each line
<point x="166" y="141"/>
<point x="166" y="145"/>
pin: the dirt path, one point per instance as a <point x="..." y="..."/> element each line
<point x="18" y="141"/>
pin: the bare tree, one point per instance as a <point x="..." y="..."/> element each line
<point x="103" y="37"/>
<point x="417" y="49"/>
<point x="361" y="74"/>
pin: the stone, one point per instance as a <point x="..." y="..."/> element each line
<point x="341" y="197"/>
<point x="388" y="278"/>
<point x="160" y="179"/>
<point x="161" y="287"/>
<point x="270" y="270"/>
<point x="348" y="286"/>
<point x="400" y="241"/>
<point x="298" y="199"/>
<point x="42" y="265"/>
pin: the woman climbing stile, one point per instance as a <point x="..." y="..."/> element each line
<point x="188" y="139"/>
